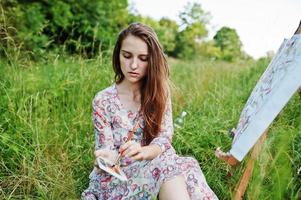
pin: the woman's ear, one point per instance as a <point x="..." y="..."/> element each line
<point x="298" y="31"/>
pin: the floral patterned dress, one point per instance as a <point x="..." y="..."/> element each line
<point x="112" y="122"/>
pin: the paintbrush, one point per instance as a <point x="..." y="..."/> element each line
<point x="130" y="135"/>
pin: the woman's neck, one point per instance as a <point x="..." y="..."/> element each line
<point x="131" y="90"/>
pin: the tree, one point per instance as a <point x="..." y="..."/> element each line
<point x="167" y="33"/>
<point x="193" y="13"/>
<point x="193" y="25"/>
<point x="79" y="26"/>
<point x="229" y="42"/>
<point x="165" y="28"/>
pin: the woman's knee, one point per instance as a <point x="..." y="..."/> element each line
<point x="174" y="189"/>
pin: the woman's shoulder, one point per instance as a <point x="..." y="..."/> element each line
<point x="107" y="94"/>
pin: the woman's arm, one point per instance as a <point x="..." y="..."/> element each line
<point x="104" y="145"/>
<point x="137" y="152"/>
<point x="158" y="145"/>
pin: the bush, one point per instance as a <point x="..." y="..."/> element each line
<point x="78" y="26"/>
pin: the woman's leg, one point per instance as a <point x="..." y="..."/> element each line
<point x="174" y="189"/>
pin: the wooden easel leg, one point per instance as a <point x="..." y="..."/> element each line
<point x="245" y="178"/>
<point x="227" y="157"/>
<point x="298" y="31"/>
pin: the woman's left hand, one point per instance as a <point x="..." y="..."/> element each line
<point x="133" y="150"/>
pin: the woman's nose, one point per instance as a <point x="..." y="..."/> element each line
<point x="134" y="64"/>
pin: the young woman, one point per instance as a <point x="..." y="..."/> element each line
<point x="140" y="95"/>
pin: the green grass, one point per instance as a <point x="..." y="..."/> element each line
<point x="47" y="140"/>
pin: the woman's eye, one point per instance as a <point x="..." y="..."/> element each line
<point x="126" y="56"/>
<point x="144" y="59"/>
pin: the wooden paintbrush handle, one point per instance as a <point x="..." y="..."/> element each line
<point x="130" y="135"/>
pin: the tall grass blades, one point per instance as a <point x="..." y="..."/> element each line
<point x="47" y="139"/>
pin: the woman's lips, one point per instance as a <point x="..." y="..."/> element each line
<point x="133" y="74"/>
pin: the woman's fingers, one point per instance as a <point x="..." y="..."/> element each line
<point x="102" y="153"/>
<point x="125" y="146"/>
<point x="105" y="153"/>
<point x="138" y="156"/>
<point x="133" y="150"/>
<point x="130" y="149"/>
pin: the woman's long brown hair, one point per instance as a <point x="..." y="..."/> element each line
<point x="154" y="87"/>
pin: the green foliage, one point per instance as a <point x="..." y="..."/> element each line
<point x="193" y="13"/>
<point x="31" y="38"/>
<point x="194" y="21"/>
<point x="31" y="29"/>
<point x="165" y="28"/>
<point x="209" y="50"/>
<point x="228" y="41"/>
<point x="47" y="141"/>
<point x="167" y="33"/>
<point x="84" y="27"/>
<point x="46" y="136"/>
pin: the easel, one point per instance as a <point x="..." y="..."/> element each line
<point x="241" y="187"/>
<point x="245" y="178"/>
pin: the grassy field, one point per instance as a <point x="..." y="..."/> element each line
<point x="47" y="140"/>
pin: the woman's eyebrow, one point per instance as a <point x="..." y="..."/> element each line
<point x="125" y="51"/>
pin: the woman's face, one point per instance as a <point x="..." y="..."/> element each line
<point x="133" y="58"/>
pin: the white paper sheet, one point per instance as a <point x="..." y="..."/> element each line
<point x="274" y="89"/>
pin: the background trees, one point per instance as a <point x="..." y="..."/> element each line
<point x="229" y="43"/>
<point x="88" y="28"/>
<point x="46" y="137"/>
<point x="77" y="26"/>
<point x="193" y="24"/>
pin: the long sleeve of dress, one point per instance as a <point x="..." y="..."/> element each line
<point x="165" y="135"/>
<point x="102" y="126"/>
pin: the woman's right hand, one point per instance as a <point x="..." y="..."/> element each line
<point x="105" y="153"/>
